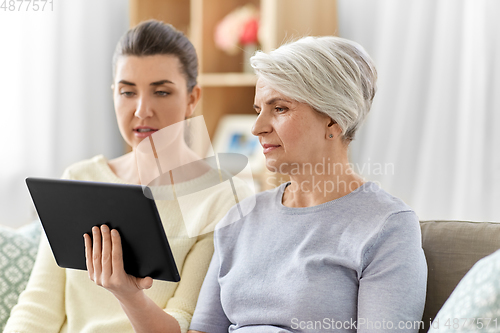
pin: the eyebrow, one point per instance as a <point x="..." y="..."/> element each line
<point x="157" y="83"/>
<point x="272" y="101"/>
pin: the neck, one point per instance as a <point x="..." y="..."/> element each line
<point x="156" y="163"/>
<point x="325" y="181"/>
<point x="125" y="168"/>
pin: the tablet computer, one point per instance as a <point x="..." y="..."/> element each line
<point x="69" y="208"/>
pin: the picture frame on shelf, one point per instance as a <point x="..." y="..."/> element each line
<point x="234" y="135"/>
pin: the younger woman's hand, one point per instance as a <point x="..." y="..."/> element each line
<point x="104" y="259"/>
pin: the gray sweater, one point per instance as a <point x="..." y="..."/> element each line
<point x="354" y="264"/>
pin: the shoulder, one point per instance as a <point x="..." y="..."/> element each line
<point x="209" y="189"/>
<point x="372" y="196"/>
<point x="252" y="207"/>
<point x="88" y="169"/>
<point x="205" y="201"/>
<point x="379" y="210"/>
<point x="265" y="199"/>
<point x="383" y="218"/>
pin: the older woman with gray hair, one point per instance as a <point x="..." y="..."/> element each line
<point x="326" y="251"/>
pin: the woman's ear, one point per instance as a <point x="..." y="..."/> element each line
<point x="333" y="130"/>
<point x="193" y="99"/>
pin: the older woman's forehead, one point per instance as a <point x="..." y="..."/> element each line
<point x="264" y="93"/>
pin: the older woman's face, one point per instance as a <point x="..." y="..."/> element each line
<point x="289" y="131"/>
<point x="150" y="93"/>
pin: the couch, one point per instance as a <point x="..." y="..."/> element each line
<point x="451" y="249"/>
<point x="18" y="248"/>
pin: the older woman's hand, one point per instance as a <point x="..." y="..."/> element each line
<point x="104" y="259"/>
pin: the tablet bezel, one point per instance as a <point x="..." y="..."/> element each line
<point x="69" y="208"/>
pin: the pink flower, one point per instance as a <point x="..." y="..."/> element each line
<point x="238" y="28"/>
<point x="250" y="32"/>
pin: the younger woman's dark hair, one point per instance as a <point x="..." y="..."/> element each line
<point x="154" y="37"/>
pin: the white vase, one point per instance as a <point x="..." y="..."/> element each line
<point x="248" y="51"/>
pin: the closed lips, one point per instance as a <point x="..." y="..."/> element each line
<point x="268" y="148"/>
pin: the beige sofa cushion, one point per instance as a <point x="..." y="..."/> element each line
<point x="451" y="249"/>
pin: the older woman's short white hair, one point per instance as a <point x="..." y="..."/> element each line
<point x="333" y="75"/>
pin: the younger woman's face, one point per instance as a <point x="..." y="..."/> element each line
<point x="150" y="93"/>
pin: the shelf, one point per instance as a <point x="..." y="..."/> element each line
<point x="227" y="80"/>
<point x="218" y="101"/>
<point x="205" y="16"/>
<point x="174" y="12"/>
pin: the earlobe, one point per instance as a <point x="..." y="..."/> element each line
<point x="333" y="131"/>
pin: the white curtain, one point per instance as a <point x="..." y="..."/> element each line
<point x="56" y="103"/>
<point x="433" y="135"/>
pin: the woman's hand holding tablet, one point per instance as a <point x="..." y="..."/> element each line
<point x="104" y="260"/>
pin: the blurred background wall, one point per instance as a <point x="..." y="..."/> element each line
<point x="56" y="102"/>
<point x="430" y="139"/>
<point x="436" y="116"/>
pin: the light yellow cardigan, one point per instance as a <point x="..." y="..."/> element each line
<point x="66" y="300"/>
